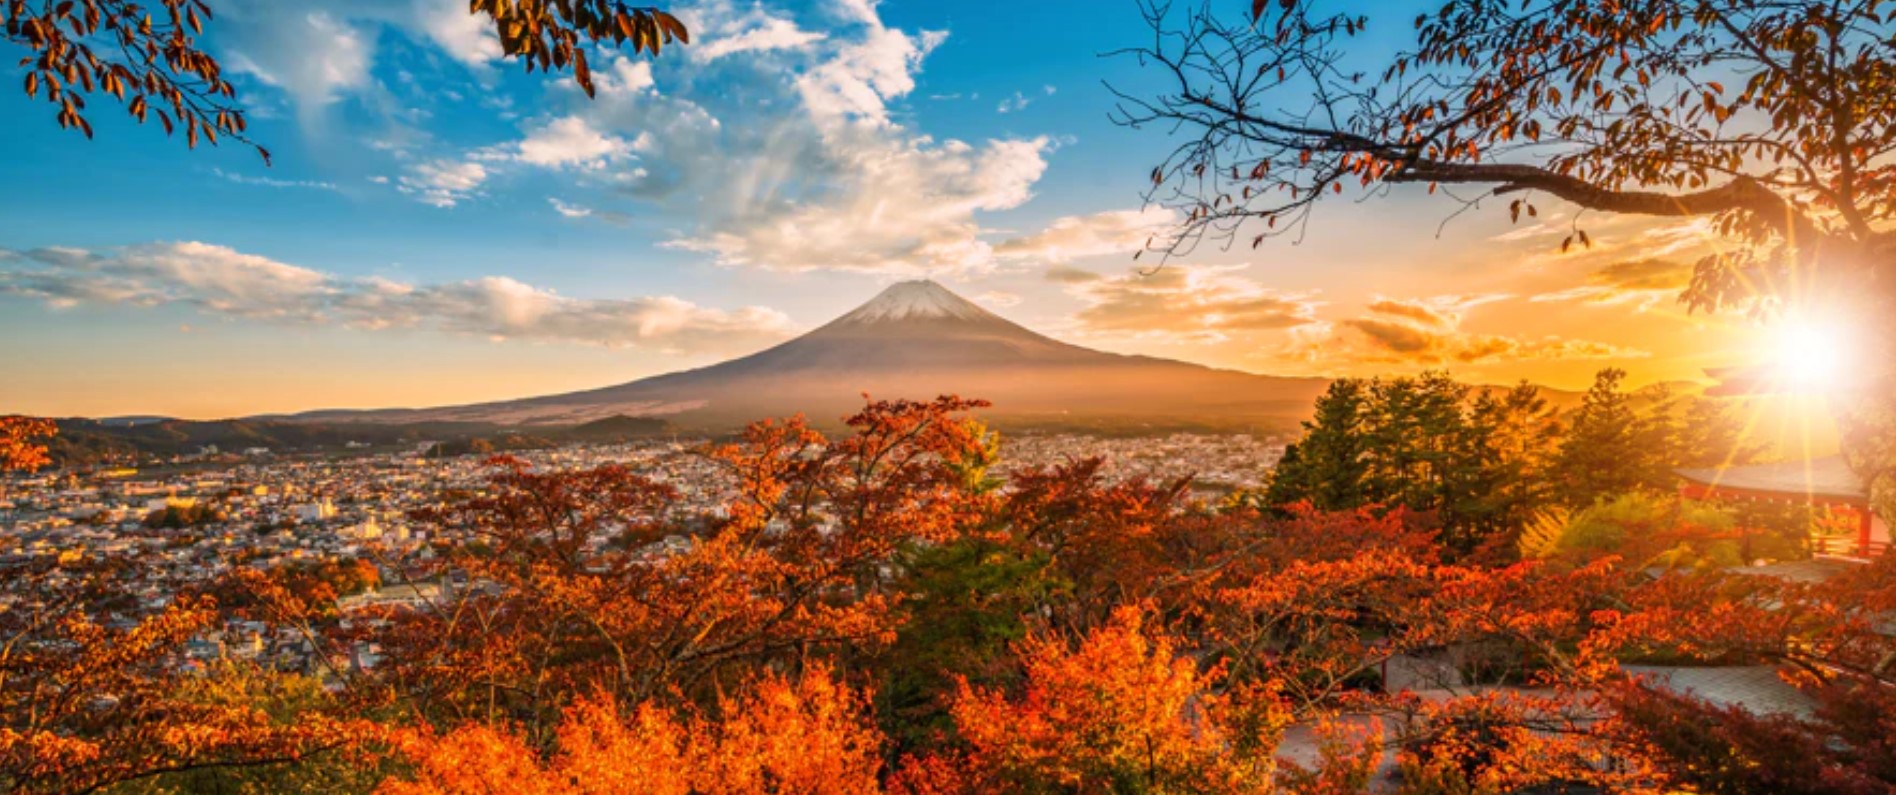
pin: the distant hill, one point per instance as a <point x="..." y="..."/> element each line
<point x="84" y="442"/>
<point x="133" y="421"/>
<point x="618" y="428"/>
<point x="915" y="340"/>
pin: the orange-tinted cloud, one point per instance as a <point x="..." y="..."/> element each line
<point x="1428" y="332"/>
<point x="1644" y="281"/>
<point x="1181" y="301"/>
<point x="1119" y="232"/>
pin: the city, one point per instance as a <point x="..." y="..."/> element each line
<point x="191" y="521"/>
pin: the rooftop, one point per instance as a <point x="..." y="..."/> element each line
<point x="1817" y="477"/>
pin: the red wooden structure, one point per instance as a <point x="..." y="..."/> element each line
<point x="1821" y="482"/>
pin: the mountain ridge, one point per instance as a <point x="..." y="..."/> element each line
<point x="914" y="339"/>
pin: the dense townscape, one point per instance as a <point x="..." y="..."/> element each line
<point x="191" y="520"/>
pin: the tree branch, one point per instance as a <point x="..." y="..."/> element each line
<point x="1742" y="193"/>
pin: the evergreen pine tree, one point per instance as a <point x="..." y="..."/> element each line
<point x="1607" y="449"/>
<point x="1329" y="467"/>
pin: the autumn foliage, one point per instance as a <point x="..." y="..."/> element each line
<point x="810" y="734"/>
<point x="881" y="611"/>
<point x="94" y="696"/>
<point x="21" y="445"/>
<point x="1119" y="710"/>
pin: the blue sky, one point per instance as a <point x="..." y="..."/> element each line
<point x="441" y="227"/>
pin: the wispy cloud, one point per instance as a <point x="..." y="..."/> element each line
<point x="220" y="282"/>
<point x="1428" y="332"/>
<point x="1181" y="303"/>
<point x="315" y="58"/>
<point x="576" y="211"/>
<point x="443" y="183"/>
<point x="272" y="182"/>
<point x="1120" y="232"/>
<point x="721" y="33"/>
<point x="1644" y="282"/>
<point x="999" y="298"/>
<point x="1020" y="100"/>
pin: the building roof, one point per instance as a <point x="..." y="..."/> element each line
<point x="1818" y="477"/>
<point x="1815" y="570"/>
<point x="1757" y="688"/>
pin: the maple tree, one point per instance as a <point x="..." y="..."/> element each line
<point x="1295" y="616"/>
<point x="1120" y="711"/>
<point x="1109" y="544"/>
<point x="1606" y="104"/>
<point x="1829" y="639"/>
<point x="98" y="690"/>
<point x="582" y="582"/>
<point x="20" y="445"/>
<point x="1770" y="122"/>
<point x="150" y="56"/>
<point x="803" y="734"/>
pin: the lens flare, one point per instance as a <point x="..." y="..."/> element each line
<point x="1812" y="356"/>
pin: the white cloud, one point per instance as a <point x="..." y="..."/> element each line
<point x="574" y="142"/>
<point x="797" y="162"/>
<point x="858" y="10"/>
<point x="443" y="183"/>
<point x="830" y="181"/>
<point x="625" y="76"/>
<point x="313" y="57"/>
<point x="571" y="141"/>
<point x="220" y="282"/>
<point x="1120" y="232"/>
<point x="904" y="205"/>
<point x="756" y="31"/>
<point x="213" y="278"/>
<point x="859" y="78"/>
<point x="319" y="57"/>
<point x="1019" y="101"/>
<point x="465" y="37"/>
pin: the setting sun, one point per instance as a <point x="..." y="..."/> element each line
<point x="1811" y="356"/>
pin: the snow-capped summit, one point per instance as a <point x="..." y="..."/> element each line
<point x="922" y="298"/>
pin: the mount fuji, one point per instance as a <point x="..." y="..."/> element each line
<point x="916" y="340"/>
